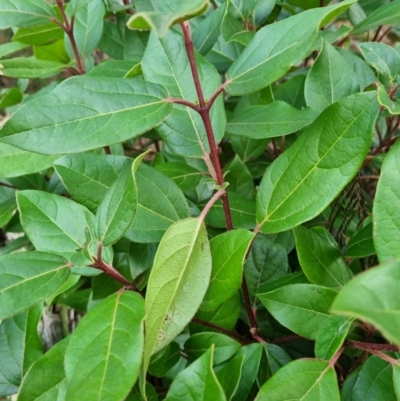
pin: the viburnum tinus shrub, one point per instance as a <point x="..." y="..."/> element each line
<point x="200" y="200"/>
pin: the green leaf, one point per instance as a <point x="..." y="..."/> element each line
<point x="197" y="382"/>
<point x="88" y="28"/>
<point x="6" y="49"/>
<point x="111" y="69"/>
<point x="39" y="35"/>
<point x="118" y="208"/>
<point x="11" y="97"/>
<point x="20" y="346"/>
<point x="228" y="253"/>
<point x="88" y="177"/>
<point x="267" y="261"/>
<point x="302" y="308"/>
<point x="74" y="6"/>
<point x="40" y="274"/>
<point x="104" y="353"/>
<point x="52" y="52"/>
<point x="224" y="54"/>
<point x="383" y="58"/>
<point x="160" y="204"/>
<point x="386" y="213"/>
<point x="372" y="380"/>
<point x="21" y="67"/>
<point x="247" y="148"/>
<point x="303" y="379"/>
<point x="327" y="155"/>
<point x="166" y="64"/>
<point x="329" y="79"/>
<point x="164" y="360"/>
<point x="16" y="13"/>
<point x="177" y="284"/>
<point x="163" y="16"/>
<point x="277" y="357"/>
<point x="393" y="107"/>
<point x="101" y="112"/>
<point x="320" y="258"/>
<point x="239" y="179"/>
<point x="361" y="244"/>
<point x="185" y="176"/>
<point x="252" y="357"/>
<point x="331" y="336"/>
<point x="278" y="46"/>
<point x="7" y="210"/>
<point x="288" y="279"/>
<point x="272" y="120"/>
<point x="373" y="297"/>
<point x="53" y="223"/>
<point x="387" y="14"/>
<point x="229" y="376"/>
<point x="198" y="344"/>
<point x="46" y="378"/>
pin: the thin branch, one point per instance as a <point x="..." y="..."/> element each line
<point x="385" y="357"/>
<point x="3" y="184"/>
<point x="230" y="333"/>
<point x="185" y="103"/>
<point x="384" y="34"/>
<point x="335" y="358"/>
<point x="210" y="204"/>
<point x="371" y="346"/>
<point x="216" y="94"/>
<point x="378" y="31"/>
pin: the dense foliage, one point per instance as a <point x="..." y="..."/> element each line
<point x="200" y="200"/>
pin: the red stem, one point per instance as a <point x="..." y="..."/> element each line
<point x="185" y="103"/>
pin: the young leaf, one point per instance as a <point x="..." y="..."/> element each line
<point x="272" y="120"/>
<point x="320" y="258"/>
<point x="327" y="156"/>
<point x="40" y="274"/>
<point x="16" y="13"/>
<point x="331" y="336"/>
<point x="302" y="308"/>
<point x="45" y="379"/>
<point x="304" y="379"/>
<point x="177" y="283"/>
<point x="278" y="46"/>
<point x="198" y="344"/>
<point x="373" y="297"/>
<point x="329" y="79"/>
<point x="104" y="353"/>
<point x="164" y="16"/>
<point x="166" y="64"/>
<point x="386" y="213"/>
<point x="53" y="223"/>
<point x="118" y="208"/>
<point x="197" y="382"/>
<point x="386" y="14"/>
<point x="228" y="253"/>
<point x="20" y="67"/>
<point x="101" y="111"/>
<point x="160" y="203"/>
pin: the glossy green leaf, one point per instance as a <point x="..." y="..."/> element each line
<point x="302" y="308"/>
<point x="53" y="223"/>
<point x="329" y="79"/>
<point x="177" y="284"/>
<point x="160" y="204"/>
<point x="52" y="52"/>
<point x="88" y="177"/>
<point x="247" y="148"/>
<point x="277" y="357"/>
<point x="288" y="279"/>
<point x="373" y="297"/>
<point x="118" y="208"/>
<point x="40" y="34"/>
<point x="7" y="210"/>
<point x="266" y="262"/>
<point x="20" y="346"/>
<point x="102" y="111"/>
<point x="229" y="376"/>
<point x="387" y="14"/>
<point x="304" y="379"/>
<point x="111" y="69"/>
<point x="46" y="378"/>
<point x="320" y="258"/>
<point x="164" y="360"/>
<point x="198" y="344"/>
<point x="386" y="213"/>
<point x="272" y="120"/>
<point x="224" y="54"/>
<point x="327" y="156"/>
<point x="239" y="179"/>
<point x="11" y="97"/>
<point x="331" y="336"/>
<point x="21" y="67"/>
<point x="383" y="58"/>
<point x="166" y="64"/>
<point x="185" y="176"/>
<point x="197" y="382"/>
<point x="88" y="28"/>
<point x="16" y="13"/>
<point x="372" y="380"/>
<point x="6" y="49"/>
<point x="163" y="16"/>
<point x="252" y="357"/>
<point x="361" y="244"/>
<point x="40" y="274"/>
<point x="104" y="354"/>
<point x="278" y="46"/>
